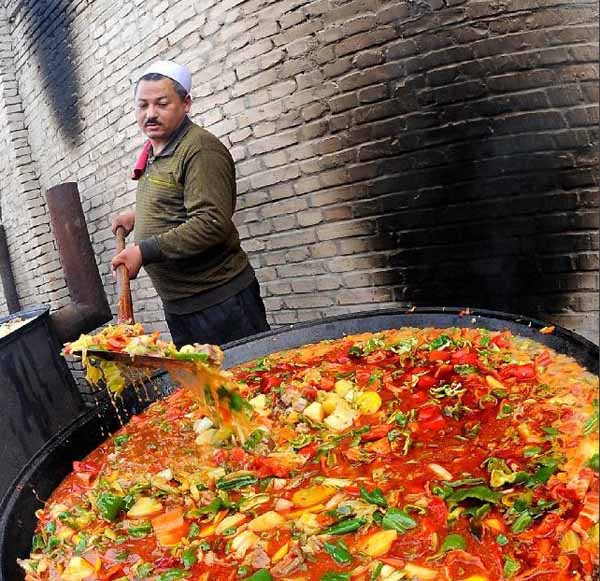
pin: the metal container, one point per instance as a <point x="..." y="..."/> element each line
<point x="51" y="464"/>
<point x="38" y="396"/>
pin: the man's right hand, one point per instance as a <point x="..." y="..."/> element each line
<point x="126" y="220"/>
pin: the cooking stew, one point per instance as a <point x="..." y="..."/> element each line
<point x="451" y="454"/>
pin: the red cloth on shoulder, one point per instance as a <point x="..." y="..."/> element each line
<point x="140" y="165"/>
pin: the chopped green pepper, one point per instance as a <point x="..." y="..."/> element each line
<point x="398" y="520"/>
<point x="338" y="551"/>
<point x="453" y="542"/>
<point x="260" y="575"/>
<point x="345" y="526"/>
<point x="236" y="482"/>
<point x="109" y="505"/>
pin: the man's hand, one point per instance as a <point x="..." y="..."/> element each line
<point x="126" y="219"/>
<point x="131" y="257"/>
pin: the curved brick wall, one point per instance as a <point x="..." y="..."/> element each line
<point x="387" y="152"/>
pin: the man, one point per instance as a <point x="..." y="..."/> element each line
<point x="184" y="235"/>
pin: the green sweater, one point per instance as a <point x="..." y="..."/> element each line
<point x="184" y="205"/>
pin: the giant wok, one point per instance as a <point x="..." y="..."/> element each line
<point x="54" y="461"/>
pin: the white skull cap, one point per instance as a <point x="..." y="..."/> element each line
<point x="172" y="70"/>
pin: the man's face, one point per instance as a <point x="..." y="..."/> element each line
<point x="159" y="110"/>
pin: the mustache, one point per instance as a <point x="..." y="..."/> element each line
<point x="152" y="121"/>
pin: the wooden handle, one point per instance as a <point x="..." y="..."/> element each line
<point x="125" y="303"/>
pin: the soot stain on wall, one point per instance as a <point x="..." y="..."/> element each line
<point x="51" y="36"/>
<point x="474" y="231"/>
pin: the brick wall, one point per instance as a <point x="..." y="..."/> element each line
<point x="388" y="153"/>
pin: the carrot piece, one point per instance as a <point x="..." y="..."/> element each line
<point x="170" y="527"/>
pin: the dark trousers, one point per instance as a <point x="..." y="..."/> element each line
<point x="240" y="316"/>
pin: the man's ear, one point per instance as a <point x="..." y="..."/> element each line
<point x="187" y="103"/>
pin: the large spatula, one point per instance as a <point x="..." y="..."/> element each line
<point x="182" y="361"/>
<point x="212" y="386"/>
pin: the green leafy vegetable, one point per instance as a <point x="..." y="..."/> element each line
<point x="140" y="530"/>
<point x="37" y="544"/>
<point x="261" y="364"/>
<point x="506" y="411"/>
<point x="502" y="540"/>
<point x="551" y="432"/>
<point x="255" y="438"/>
<point x="398" y="520"/>
<point x="143" y="570"/>
<point x="376" y="571"/>
<point x="476" y="492"/>
<point x="188" y="558"/>
<point x="332" y="576"/>
<point x="441" y="342"/>
<point x="366" y="348"/>
<point x="374" y="497"/>
<point x="201" y="357"/>
<point x="338" y="551"/>
<point x="532" y="451"/>
<point x="522" y="522"/>
<point x="403" y="346"/>
<point x="260" y="575"/>
<point x="511" y="567"/>
<point x="120" y="440"/>
<point x="172" y="574"/>
<point x="453" y="542"/>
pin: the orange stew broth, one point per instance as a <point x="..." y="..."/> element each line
<point x="475" y="460"/>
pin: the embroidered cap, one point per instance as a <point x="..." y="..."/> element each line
<point x="172" y="70"/>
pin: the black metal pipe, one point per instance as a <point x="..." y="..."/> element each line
<point x="6" y="274"/>
<point x="89" y="306"/>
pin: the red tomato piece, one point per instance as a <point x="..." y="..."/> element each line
<point x="116" y="343"/>
<point x="309" y="392"/>
<point x="464" y="356"/>
<point x="430" y="418"/>
<point x="268" y="382"/>
<point x="419" y="397"/>
<point x="437" y="511"/>
<point x="444" y="371"/>
<point x="352" y="490"/>
<point x="309" y="450"/>
<point x="238" y="456"/>
<point x="376" y="432"/>
<point x="520" y="372"/>
<point x="439" y="355"/>
<point x="271" y="467"/>
<point x="501" y="340"/>
<point x="326" y="384"/>
<point x="426" y="381"/>
<point x="362" y="376"/>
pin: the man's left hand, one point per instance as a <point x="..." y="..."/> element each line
<point x="131" y="257"/>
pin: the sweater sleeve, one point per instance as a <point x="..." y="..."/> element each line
<point x="209" y="201"/>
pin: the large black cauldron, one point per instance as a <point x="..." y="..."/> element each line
<point x="51" y="464"/>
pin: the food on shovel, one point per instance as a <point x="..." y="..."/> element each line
<point x="110" y="355"/>
<point x="406" y="455"/>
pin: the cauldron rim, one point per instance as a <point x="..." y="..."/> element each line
<point x="583" y="350"/>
